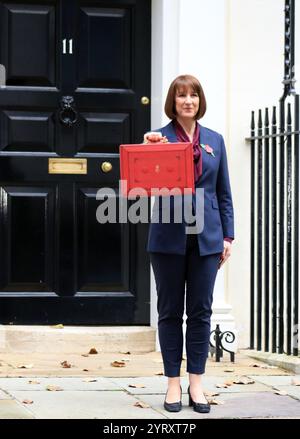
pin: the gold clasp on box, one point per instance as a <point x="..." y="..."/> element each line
<point x="67" y="166"/>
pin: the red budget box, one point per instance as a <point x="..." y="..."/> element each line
<point x="160" y="166"/>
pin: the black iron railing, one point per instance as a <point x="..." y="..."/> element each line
<point x="275" y="214"/>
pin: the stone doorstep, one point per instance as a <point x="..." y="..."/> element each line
<point x="74" y="339"/>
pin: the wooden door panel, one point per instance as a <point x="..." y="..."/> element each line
<point x="105" y="47"/>
<point x="27" y="226"/>
<point x="28" y="43"/>
<point x="102" y="249"/>
<point x="103" y="132"/>
<point x="27" y="131"/>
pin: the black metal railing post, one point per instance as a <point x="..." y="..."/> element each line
<point x="274" y="229"/>
<point x="259" y="234"/>
<point x="266" y="159"/>
<point x="252" y="238"/>
<point x="296" y="229"/>
<point x="289" y="230"/>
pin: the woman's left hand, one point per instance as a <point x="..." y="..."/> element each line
<point x="226" y="253"/>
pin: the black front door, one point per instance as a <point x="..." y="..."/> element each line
<point x="76" y="72"/>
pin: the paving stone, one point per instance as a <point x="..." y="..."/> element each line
<point x="209" y="384"/>
<point x="137" y="365"/>
<point x="65" y="383"/>
<point x="236" y="405"/>
<point x="4" y="395"/>
<point x="276" y="380"/>
<point x="10" y="409"/>
<point x="159" y="385"/>
<point x="293" y="391"/>
<point x="153" y="385"/>
<point x="85" y="405"/>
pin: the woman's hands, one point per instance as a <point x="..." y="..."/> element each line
<point x="226" y="253"/>
<point x="155" y="138"/>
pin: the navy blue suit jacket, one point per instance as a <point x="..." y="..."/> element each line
<point x="218" y="207"/>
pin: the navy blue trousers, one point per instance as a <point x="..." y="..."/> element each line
<point x="178" y="277"/>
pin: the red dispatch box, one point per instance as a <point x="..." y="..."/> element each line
<point x="159" y="165"/>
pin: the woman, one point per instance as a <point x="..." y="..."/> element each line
<point x="178" y="258"/>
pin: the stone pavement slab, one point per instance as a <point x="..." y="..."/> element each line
<point x="67" y="383"/>
<point x="42" y="364"/>
<point x="159" y="384"/>
<point x="293" y="391"/>
<point x="148" y="364"/>
<point x="210" y="385"/>
<point x="10" y="409"/>
<point x="282" y="383"/>
<point x="276" y="380"/>
<point x="264" y="404"/>
<point x="4" y="395"/>
<point x="112" y="398"/>
<point x="85" y="405"/>
<point x="236" y="405"/>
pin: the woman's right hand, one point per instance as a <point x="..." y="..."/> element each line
<point x="153" y="137"/>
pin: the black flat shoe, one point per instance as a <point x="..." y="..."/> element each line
<point x="198" y="406"/>
<point x="173" y="406"/>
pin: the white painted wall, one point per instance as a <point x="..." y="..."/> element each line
<point x="235" y="48"/>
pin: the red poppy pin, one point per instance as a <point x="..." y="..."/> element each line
<point x="208" y="149"/>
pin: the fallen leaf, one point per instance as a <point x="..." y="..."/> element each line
<point x="263" y="366"/>
<point x="25" y="366"/>
<point x="65" y="364"/>
<point x="84" y="355"/>
<point x="141" y="404"/>
<point x="33" y="382"/>
<point x="211" y="394"/>
<point x="137" y="386"/>
<point x="27" y="401"/>
<point x="85" y="370"/>
<point x="118" y="364"/>
<point x="295" y="382"/>
<point x="244" y="380"/>
<point x="159" y="373"/>
<point x="228" y="370"/>
<point x="221" y="386"/>
<point x="93" y="351"/>
<point x="215" y="402"/>
<point x="280" y="392"/>
<point x="125" y="352"/>
<point x="59" y="326"/>
<point x="89" y="380"/>
<point x="229" y="383"/>
<point x="53" y="388"/>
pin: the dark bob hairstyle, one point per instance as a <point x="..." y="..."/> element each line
<point x="184" y="82"/>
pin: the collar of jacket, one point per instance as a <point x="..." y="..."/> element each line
<point x="170" y="133"/>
